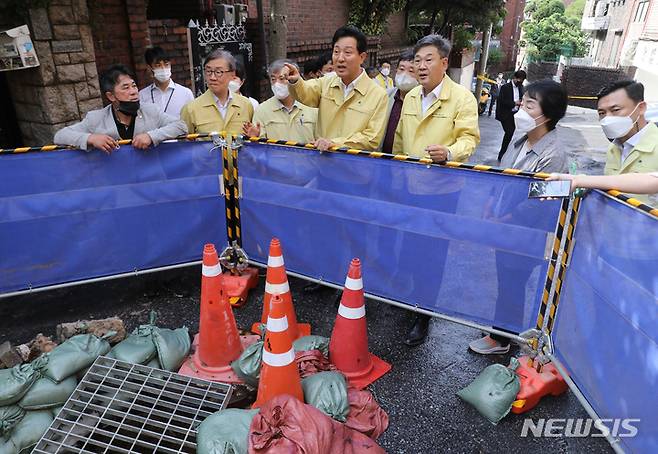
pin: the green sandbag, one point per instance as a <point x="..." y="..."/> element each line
<point x="74" y="355"/>
<point x="493" y="391"/>
<point x="173" y="346"/>
<point x="327" y="391"/>
<point x="247" y="366"/>
<point x="55" y="411"/>
<point x="154" y="363"/>
<point x="306" y="343"/>
<point x="28" y="432"/>
<point x="15" y="382"/>
<point x="9" y="417"/>
<point x="45" y="393"/>
<point x="225" y="432"/>
<point x="137" y="348"/>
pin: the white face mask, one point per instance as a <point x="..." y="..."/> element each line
<point x="385" y="72"/>
<point x="405" y="82"/>
<point x="234" y="86"/>
<point x="525" y="123"/>
<point x="616" y="127"/>
<point x="280" y="90"/>
<point x="162" y="74"/>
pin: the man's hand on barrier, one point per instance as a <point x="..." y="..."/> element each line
<point x="290" y="72"/>
<point x="438" y="153"/>
<point x="251" y="129"/>
<point x="102" y="142"/>
<point x="142" y="141"/>
<point x="323" y="144"/>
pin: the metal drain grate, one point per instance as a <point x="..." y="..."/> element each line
<point x="126" y="408"/>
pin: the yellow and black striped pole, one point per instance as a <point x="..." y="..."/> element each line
<point x="564" y="263"/>
<point x="228" y="194"/>
<point x="236" y="196"/>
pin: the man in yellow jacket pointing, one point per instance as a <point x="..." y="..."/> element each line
<point x="440" y="117"/>
<point x="352" y="107"/>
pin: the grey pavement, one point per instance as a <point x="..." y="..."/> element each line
<point x="579" y="131"/>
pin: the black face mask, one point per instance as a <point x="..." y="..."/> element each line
<point x="128" y="107"/>
<point x="518" y="83"/>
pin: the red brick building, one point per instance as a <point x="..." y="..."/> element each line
<point x="509" y="37"/>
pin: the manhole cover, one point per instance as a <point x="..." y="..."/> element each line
<point x="128" y="408"/>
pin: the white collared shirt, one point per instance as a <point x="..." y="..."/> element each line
<point x="627" y="147"/>
<point x="426" y="101"/>
<point x="223" y="108"/>
<point x="348" y="89"/>
<point x="285" y="109"/>
<point x="171" y="100"/>
<point x="517" y="96"/>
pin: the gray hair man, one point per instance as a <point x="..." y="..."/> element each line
<point x="282" y="117"/>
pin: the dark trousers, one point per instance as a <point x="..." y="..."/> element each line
<point x="508" y="127"/>
<point x="513" y="272"/>
<point x="435" y="256"/>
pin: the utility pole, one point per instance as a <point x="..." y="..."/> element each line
<point x="278" y="35"/>
<point x="484" y="56"/>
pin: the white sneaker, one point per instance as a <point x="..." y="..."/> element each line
<point x="488" y="346"/>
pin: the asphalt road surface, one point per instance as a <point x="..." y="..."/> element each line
<point x="419" y="393"/>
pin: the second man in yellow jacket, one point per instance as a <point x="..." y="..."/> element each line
<point x="440" y="117"/>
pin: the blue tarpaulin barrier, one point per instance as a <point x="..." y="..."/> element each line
<point x="70" y="215"/>
<point x="606" y="330"/>
<point x="457" y="242"/>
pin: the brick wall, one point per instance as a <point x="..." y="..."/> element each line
<point x="541" y="70"/>
<point x="395" y="32"/>
<point x="65" y="85"/>
<point x="587" y="81"/>
<point x="509" y="37"/>
<point x="111" y="33"/>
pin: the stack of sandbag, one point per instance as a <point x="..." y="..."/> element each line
<point x="32" y="394"/>
<point x="311" y="354"/>
<point x="156" y="347"/>
<point x="335" y="418"/>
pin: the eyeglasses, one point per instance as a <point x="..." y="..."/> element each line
<point x="215" y="72"/>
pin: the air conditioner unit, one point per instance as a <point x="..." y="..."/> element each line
<point x="225" y="15"/>
<point x="241" y="14"/>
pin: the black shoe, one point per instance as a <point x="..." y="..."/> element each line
<point x="418" y="332"/>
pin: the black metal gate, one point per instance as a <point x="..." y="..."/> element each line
<point x="206" y="37"/>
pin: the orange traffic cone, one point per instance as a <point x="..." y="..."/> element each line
<point x="218" y="342"/>
<point x="276" y="282"/>
<point x="348" y="347"/>
<point x="278" y="373"/>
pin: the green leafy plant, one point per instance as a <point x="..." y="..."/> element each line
<point x="458" y="20"/>
<point x="371" y="15"/>
<point x="549" y="32"/>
